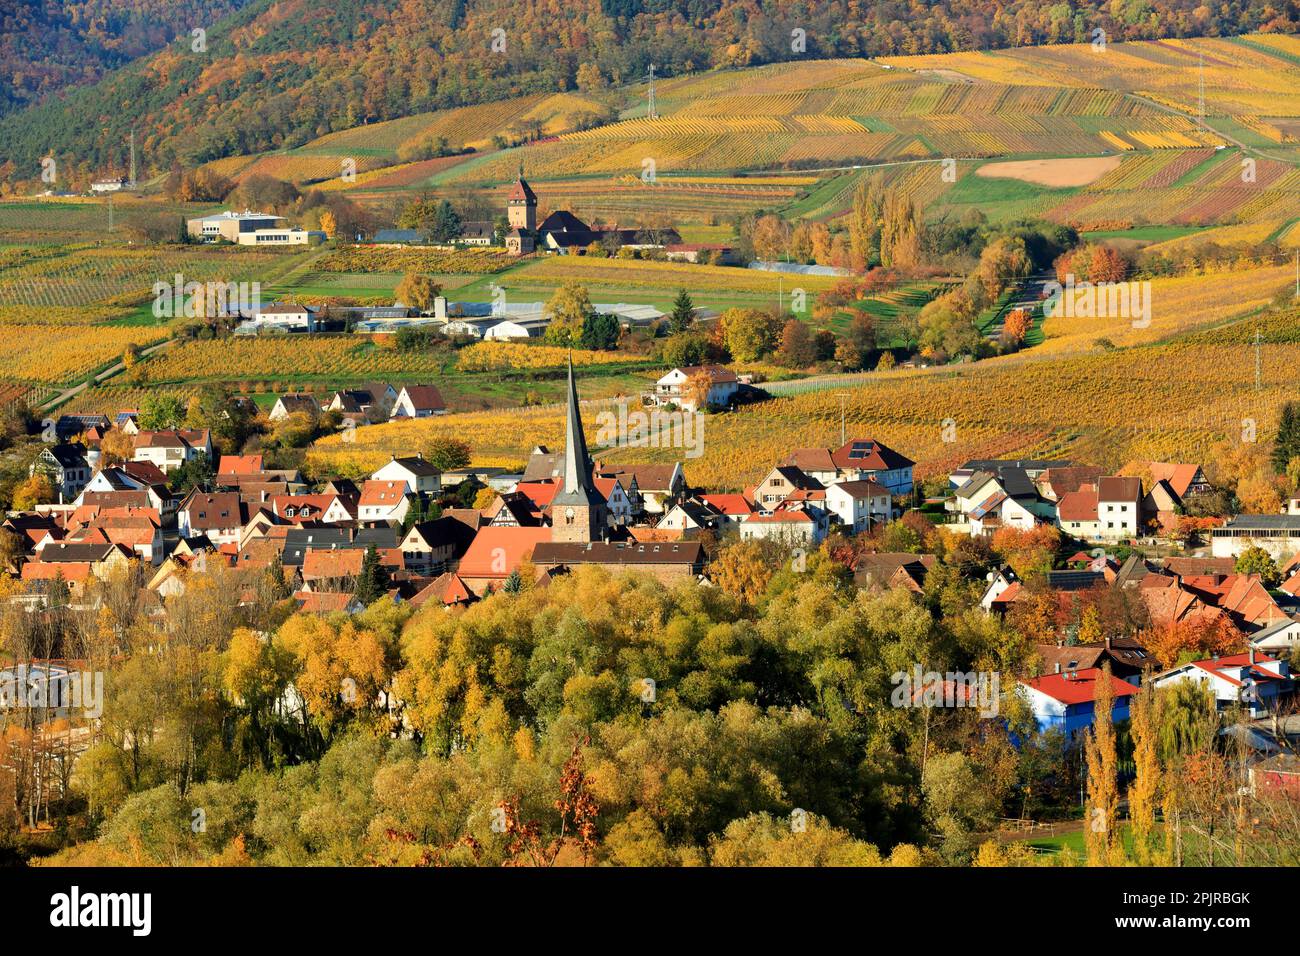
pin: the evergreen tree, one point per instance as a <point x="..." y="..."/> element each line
<point x="446" y="223"/>
<point x="514" y="582"/>
<point x="599" y="331"/>
<point x="372" y="582"/>
<point x="279" y="584"/>
<point x="1287" y="444"/>
<point x="683" y="313"/>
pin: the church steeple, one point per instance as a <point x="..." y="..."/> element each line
<point x="521" y="204"/>
<point x="578" y="509"/>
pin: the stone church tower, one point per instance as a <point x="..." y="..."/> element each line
<point x="521" y="206"/>
<point x="578" y="509"/>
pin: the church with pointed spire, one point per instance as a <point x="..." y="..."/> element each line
<point x="521" y="212"/>
<point x="578" y="509"/>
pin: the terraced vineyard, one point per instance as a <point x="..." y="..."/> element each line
<point x="71" y="278"/>
<point x="1197" y="187"/>
<point x="380" y="146"/>
<point x="27" y="353"/>
<point x="1253" y="77"/>
<point x="878" y="116"/>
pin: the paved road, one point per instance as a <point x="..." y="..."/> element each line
<point x="114" y="369"/>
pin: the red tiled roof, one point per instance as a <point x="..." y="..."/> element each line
<point x="539" y="493"/>
<point x="240" y="465"/>
<point x="1078" y="505"/>
<point x="868" y="455"/>
<point x="1115" y="488"/>
<point x="445" y="588"/>
<point x="806" y="494"/>
<point x="521" y="191"/>
<point x="1179" y="475"/>
<point x="495" y="552"/>
<point x="318" y="505"/>
<point x="173" y="438"/>
<point x="377" y="493"/>
<point x="730" y="504"/>
<point x="324" y="563"/>
<point x="222" y="509"/>
<point x="1078" y="687"/>
<point x="605" y="486"/>
<point x="323" y="602"/>
<point x="864" y="488"/>
<point x="144" y="471"/>
<point x="779" y="517"/>
<point x="811" y="459"/>
<point x="1009" y="594"/>
<point x="425" y="396"/>
<point x="1233" y="661"/>
<point x="72" y="571"/>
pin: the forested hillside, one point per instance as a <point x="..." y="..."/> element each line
<point x="49" y="45"/>
<point x="281" y="72"/>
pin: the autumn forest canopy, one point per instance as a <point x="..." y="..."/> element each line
<point x="278" y="74"/>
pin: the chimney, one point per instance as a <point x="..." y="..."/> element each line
<point x="1107" y="643"/>
<point x="1058" y="668"/>
<point x="440" y="308"/>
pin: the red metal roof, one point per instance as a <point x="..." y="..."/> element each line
<point x="1078" y="687"/>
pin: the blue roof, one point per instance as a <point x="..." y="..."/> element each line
<point x="399" y="235"/>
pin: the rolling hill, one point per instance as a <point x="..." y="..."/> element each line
<point x="278" y="73"/>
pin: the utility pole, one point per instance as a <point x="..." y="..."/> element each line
<point x="650" y="106"/>
<point x="1202" y="96"/>
<point x="843" y="438"/>
<point x="132" y="159"/>
<point x="110" y="212"/>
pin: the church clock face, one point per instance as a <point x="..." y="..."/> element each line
<point x="568" y="515"/>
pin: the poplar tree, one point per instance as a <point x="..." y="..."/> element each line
<point x="1144" y="794"/>
<point x="1103" y="795"/>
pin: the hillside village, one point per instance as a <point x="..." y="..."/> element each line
<point x="865" y="437"/>
<point x="418" y="534"/>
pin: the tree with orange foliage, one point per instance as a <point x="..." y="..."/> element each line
<point x="578" y="810"/>
<point x="1033" y="614"/>
<point x="1016" y="326"/>
<point x="1192" y="638"/>
<point x="1028" y="552"/>
<point x="741" y="570"/>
